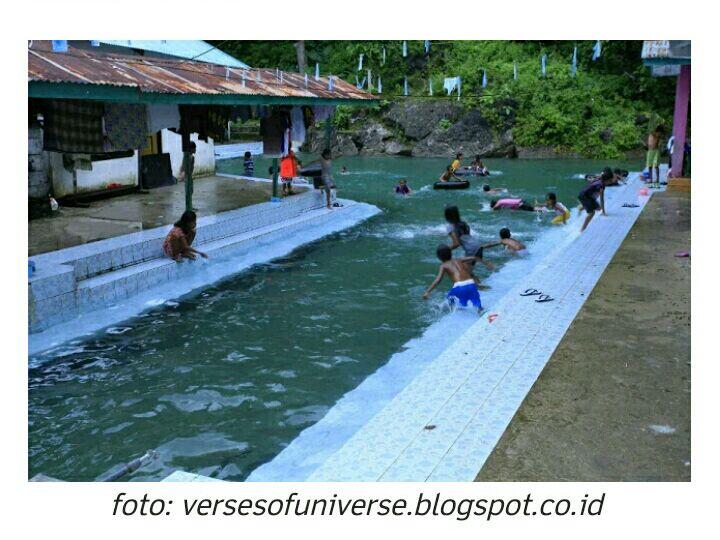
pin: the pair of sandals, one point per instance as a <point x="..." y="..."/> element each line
<point x="541" y="296"/>
<point x="630" y="205"/>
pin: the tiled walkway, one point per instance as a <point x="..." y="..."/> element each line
<point x="445" y="423"/>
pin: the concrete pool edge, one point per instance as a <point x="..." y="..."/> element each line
<point x="358" y="458"/>
<point x="231" y="258"/>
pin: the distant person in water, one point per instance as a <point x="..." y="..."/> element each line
<point x="464" y="290"/>
<point x="344" y="170"/>
<point x="402" y="188"/>
<point x="248" y="164"/>
<point x="456" y="163"/>
<point x="178" y="242"/>
<point x="511" y="204"/>
<point x="487" y="189"/>
<point x="449" y="175"/>
<point x="460" y="234"/>
<point x="506" y="239"/>
<point x="478" y="166"/>
<point x="552" y="204"/>
<point x="590" y="193"/>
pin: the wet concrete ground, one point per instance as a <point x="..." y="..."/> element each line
<point x="613" y="402"/>
<point x="130" y="213"/>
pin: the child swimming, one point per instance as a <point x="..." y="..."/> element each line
<point x="464" y="290"/>
<point x="552" y="204"/>
<point x="511" y="204"/>
<point x="402" y="188"/>
<point x="488" y="189"/>
<point x="506" y="239"/>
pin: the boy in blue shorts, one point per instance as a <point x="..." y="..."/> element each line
<point x="464" y="290"/>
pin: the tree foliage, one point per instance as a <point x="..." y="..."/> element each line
<point x="602" y="112"/>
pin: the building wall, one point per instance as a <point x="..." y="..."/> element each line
<point x="204" y="153"/>
<point x="123" y="171"/>
<point x="38" y="183"/>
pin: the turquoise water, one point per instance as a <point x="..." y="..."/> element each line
<point x="221" y="381"/>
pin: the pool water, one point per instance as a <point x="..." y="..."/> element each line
<point x="219" y="382"/>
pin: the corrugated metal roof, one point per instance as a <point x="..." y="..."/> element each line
<point x="198" y="50"/>
<point x="170" y="77"/>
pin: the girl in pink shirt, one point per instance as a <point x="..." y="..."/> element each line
<point x="511" y="204"/>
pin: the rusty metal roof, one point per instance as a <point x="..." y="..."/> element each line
<point x="104" y="75"/>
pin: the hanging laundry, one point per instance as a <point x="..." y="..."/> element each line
<point x="161" y="116"/>
<point x="597" y="49"/>
<point x="297" y="119"/>
<point x="543" y="61"/>
<point x="331" y="83"/>
<point x="360" y="61"/>
<point x="379" y="85"/>
<point x="77" y="162"/>
<point x="573" y="69"/>
<point x="383" y="56"/>
<point x="484" y="79"/>
<point x="244" y="76"/>
<point x="427" y="46"/>
<point x="306" y="80"/>
<point x="322" y="112"/>
<point x="317" y="71"/>
<point x="125" y="126"/>
<point x="515" y="71"/>
<point x="360" y="84"/>
<point x="430" y="88"/>
<point x="369" y="79"/>
<point x="406" y="87"/>
<point x="404" y="49"/>
<point x="73" y="125"/>
<point x="451" y="84"/>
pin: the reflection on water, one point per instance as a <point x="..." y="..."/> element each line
<point x="220" y="382"/>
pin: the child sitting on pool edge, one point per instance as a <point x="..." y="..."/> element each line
<point x="178" y="241"/>
<point x="464" y="290"/>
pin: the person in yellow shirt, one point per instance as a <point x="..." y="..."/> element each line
<point x="456" y="163"/>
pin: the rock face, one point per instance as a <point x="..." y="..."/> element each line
<point x="419" y="128"/>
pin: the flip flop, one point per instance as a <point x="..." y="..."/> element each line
<point x="544" y="298"/>
<point x="682" y="254"/>
<point x="530" y="292"/>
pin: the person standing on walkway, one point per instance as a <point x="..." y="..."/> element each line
<point x="653" y="155"/>
<point x="326" y="174"/>
<point x="289" y="166"/>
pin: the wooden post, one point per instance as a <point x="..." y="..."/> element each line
<point x="188" y="181"/>
<point x="682" y="98"/>
<point x="276" y="171"/>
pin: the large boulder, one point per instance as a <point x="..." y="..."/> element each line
<point x="370" y="138"/>
<point x="417" y="119"/>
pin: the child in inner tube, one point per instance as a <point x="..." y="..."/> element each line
<point x="450" y="176"/>
<point x="478" y="166"/>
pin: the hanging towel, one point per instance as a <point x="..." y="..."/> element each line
<point x="379" y="85"/>
<point x="515" y="72"/>
<point x="427" y="46"/>
<point x="451" y="84"/>
<point x="298" y="124"/>
<point x="430" y="88"/>
<point x="543" y="60"/>
<point x="73" y="125"/>
<point x="369" y="78"/>
<point x="406" y="87"/>
<point x="484" y="79"/>
<point x="360" y="61"/>
<point x="573" y="69"/>
<point x="597" y="49"/>
<point x="404" y="49"/>
<point x="317" y="71"/>
<point x="383" y="56"/>
<point x="331" y="83"/>
<point x="160" y="116"/>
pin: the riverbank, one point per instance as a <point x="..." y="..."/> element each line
<point x="622" y="370"/>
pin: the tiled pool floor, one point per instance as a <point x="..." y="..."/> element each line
<point x="443" y="425"/>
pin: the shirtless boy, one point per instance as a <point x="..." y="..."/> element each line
<point x="653" y="155"/>
<point x="464" y="290"/>
<point x="508" y="241"/>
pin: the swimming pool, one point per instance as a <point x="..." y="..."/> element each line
<point x="221" y="381"/>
